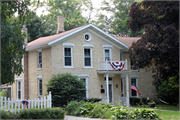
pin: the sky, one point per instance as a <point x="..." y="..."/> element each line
<point x="96" y="4"/>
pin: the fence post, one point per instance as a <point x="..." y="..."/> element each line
<point x="15" y="106"/>
<point x="28" y="103"/>
<point x="12" y="105"/>
<point x="4" y="103"/>
<point x="18" y="106"/>
<point x="38" y="103"/>
<point x="31" y="103"/>
<point x="1" y="102"/>
<point x="35" y="103"/>
<point x="41" y="102"/>
<point x="50" y="99"/>
<point x="44" y="101"/>
<point x="8" y="104"/>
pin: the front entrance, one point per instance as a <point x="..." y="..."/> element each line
<point x="111" y="92"/>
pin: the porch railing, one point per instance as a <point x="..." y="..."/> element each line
<point x="105" y="65"/>
<point x="122" y="100"/>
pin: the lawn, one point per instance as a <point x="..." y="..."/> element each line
<point x="167" y="112"/>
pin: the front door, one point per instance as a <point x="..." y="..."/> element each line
<point x="110" y="92"/>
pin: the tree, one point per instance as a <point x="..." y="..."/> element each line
<point x="115" y="18"/>
<point x="64" y="88"/>
<point x="157" y="49"/>
<point x="12" y="39"/>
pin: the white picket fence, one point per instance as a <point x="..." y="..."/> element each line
<point x="17" y="105"/>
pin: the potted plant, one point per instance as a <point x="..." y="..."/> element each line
<point x="151" y="103"/>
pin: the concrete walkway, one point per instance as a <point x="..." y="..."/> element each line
<point x="67" y="117"/>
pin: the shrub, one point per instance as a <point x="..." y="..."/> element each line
<point x="3" y="93"/>
<point x="102" y="110"/>
<point x="92" y="100"/>
<point x="134" y="101"/>
<point x="7" y="115"/>
<point x="45" y="113"/>
<point x="64" y="88"/>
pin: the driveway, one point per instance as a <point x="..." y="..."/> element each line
<point x="67" y="117"/>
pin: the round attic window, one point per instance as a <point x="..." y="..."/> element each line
<point x="87" y="37"/>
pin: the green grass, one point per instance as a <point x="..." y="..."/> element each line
<point x="167" y="112"/>
<point x="169" y="115"/>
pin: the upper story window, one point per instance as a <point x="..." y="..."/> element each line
<point x="87" y="36"/>
<point x="107" y="52"/>
<point x="19" y="89"/>
<point x="88" y="61"/>
<point x="68" y="55"/>
<point x="121" y="56"/>
<point x="39" y="65"/>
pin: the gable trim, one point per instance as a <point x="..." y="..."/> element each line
<point x="80" y="29"/>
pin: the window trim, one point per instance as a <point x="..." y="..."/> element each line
<point x="17" y="81"/>
<point x="38" y="51"/>
<point x="135" y="77"/>
<point x="110" y="56"/>
<point x="68" y="45"/>
<point x="88" y="46"/>
<point x="39" y="77"/>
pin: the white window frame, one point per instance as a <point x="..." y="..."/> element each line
<point x="84" y="76"/>
<point x="68" y="45"/>
<point x="107" y="47"/>
<point x="17" y="85"/>
<point x="135" y="77"/>
<point x="39" y="77"/>
<point x="38" y="64"/>
<point x="88" y="46"/>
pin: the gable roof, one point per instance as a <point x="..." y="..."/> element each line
<point x="128" y="40"/>
<point x="54" y="39"/>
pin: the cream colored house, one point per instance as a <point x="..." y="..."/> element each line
<point x="84" y="51"/>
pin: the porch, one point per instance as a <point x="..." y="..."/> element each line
<point x="105" y="68"/>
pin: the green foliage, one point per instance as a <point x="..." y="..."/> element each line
<point x="64" y="88"/>
<point x="101" y="110"/>
<point x="117" y="21"/>
<point x="157" y="48"/>
<point x="12" y="40"/>
<point x="34" y="113"/>
<point x="8" y="115"/>
<point x="3" y="93"/>
<point x="134" y="101"/>
<point x="169" y="89"/>
<point x="92" y="100"/>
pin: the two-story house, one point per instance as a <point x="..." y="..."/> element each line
<point x="84" y="51"/>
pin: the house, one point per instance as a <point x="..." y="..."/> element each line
<point x="84" y="51"/>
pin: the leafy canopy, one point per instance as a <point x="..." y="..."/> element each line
<point x="114" y="18"/>
<point x="12" y="39"/>
<point x="158" y="48"/>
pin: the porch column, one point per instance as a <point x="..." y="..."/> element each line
<point x="107" y="86"/>
<point x="127" y="91"/>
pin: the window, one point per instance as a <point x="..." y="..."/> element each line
<point x="133" y="92"/>
<point x="88" y="62"/>
<point x="84" y="91"/>
<point x="39" y="59"/>
<point x="87" y="57"/>
<point x="67" y="57"/>
<point x="121" y="56"/>
<point x="40" y="87"/>
<point x="18" y="89"/>
<point x="107" y="52"/>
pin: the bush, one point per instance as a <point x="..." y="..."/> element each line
<point x="8" y="115"/>
<point x="92" y="100"/>
<point x="169" y="89"/>
<point x="134" y="101"/>
<point x="45" y="113"/>
<point x="64" y="88"/>
<point x="102" y="110"/>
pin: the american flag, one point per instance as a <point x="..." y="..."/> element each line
<point x="133" y="87"/>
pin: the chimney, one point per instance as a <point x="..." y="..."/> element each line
<point x="24" y="29"/>
<point x="60" y="24"/>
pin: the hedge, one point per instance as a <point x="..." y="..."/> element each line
<point x="34" y="113"/>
